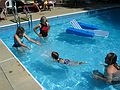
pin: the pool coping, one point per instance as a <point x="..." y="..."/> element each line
<point x="64" y="15"/>
<point x="20" y="66"/>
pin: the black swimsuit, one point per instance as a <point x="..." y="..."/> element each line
<point x="66" y="61"/>
<point x="16" y="44"/>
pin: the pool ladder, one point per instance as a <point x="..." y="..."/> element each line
<point x="17" y="17"/>
<point x="30" y="22"/>
<point x="29" y="16"/>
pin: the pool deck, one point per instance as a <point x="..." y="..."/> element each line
<point x="13" y="75"/>
<point x="59" y="11"/>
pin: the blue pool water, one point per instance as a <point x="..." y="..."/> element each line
<point x="56" y="76"/>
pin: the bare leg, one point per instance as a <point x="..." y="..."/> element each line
<point x="72" y="63"/>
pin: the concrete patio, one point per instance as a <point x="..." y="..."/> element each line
<point x="58" y="11"/>
<point x="13" y="75"/>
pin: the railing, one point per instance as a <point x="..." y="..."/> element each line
<point x="26" y="11"/>
<point x="18" y="21"/>
<point x="29" y="16"/>
<point x="30" y="22"/>
<point x="17" y="18"/>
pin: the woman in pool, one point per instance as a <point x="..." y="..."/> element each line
<point x="55" y="56"/>
<point x="20" y="33"/>
<point x="43" y="26"/>
<point x="111" y="72"/>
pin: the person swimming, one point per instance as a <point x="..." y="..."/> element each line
<point x="44" y="27"/>
<point x="111" y="71"/>
<point x="18" y="38"/>
<point x="55" y="56"/>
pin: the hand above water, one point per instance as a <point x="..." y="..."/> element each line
<point x="37" y="42"/>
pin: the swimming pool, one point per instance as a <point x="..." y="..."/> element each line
<point x="56" y="76"/>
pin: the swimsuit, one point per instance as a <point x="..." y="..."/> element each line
<point x="16" y="44"/>
<point x="116" y="76"/>
<point x="44" y="30"/>
<point x="66" y="61"/>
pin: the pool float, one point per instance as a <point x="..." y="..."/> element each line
<point x="87" y="26"/>
<point x="87" y="30"/>
<point x="80" y="32"/>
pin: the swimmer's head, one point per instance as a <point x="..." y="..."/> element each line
<point x="20" y="31"/>
<point x="111" y="58"/>
<point x="43" y="20"/>
<point x="54" y="55"/>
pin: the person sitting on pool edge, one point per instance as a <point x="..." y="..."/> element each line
<point x="20" y="33"/>
<point x="111" y="72"/>
<point x="43" y="26"/>
<point x="55" y="56"/>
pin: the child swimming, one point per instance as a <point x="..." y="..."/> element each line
<point x="43" y="26"/>
<point x="18" y="42"/>
<point x="55" y="56"/>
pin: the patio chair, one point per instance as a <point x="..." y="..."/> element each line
<point x="39" y="4"/>
<point x="3" y="14"/>
<point x="9" y="5"/>
<point x="27" y="5"/>
<point x="52" y="3"/>
<point x="48" y="4"/>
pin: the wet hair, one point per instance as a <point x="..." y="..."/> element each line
<point x="111" y="58"/>
<point x="54" y="55"/>
<point x="43" y="20"/>
<point x="20" y="30"/>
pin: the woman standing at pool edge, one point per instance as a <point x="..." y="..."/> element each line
<point x="111" y="72"/>
<point x="55" y="56"/>
<point x="43" y="26"/>
<point x="20" y="33"/>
